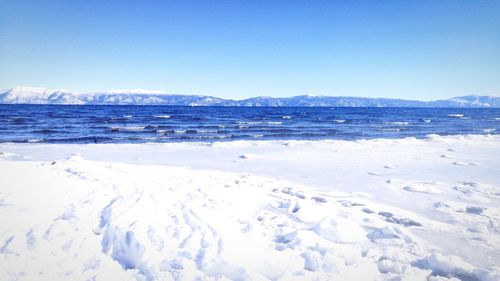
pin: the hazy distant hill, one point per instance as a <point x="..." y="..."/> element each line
<point x="468" y="101"/>
<point x="28" y="95"/>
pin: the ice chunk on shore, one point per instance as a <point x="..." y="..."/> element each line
<point x="340" y="230"/>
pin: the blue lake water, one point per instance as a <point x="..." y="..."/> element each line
<point x="138" y="124"/>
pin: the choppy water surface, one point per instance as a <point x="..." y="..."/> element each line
<point x="130" y="124"/>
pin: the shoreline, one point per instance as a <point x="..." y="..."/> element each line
<point x="364" y="209"/>
<point x="257" y="140"/>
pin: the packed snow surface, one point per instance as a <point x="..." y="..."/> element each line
<point x="403" y="209"/>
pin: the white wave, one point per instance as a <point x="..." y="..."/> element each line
<point x="249" y="123"/>
<point x="489" y="130"/>
<point x="161" y="116"/>
<point x="286" y="117"/>
<point x="138" y="128"/>
<point x="128" y="116"/>
<point x="397" y="123"/>
<point x="259" y="122"/>
<point x="458" y="115"/>
<point x="339" y="120"/>
<point x="144" y="138"/>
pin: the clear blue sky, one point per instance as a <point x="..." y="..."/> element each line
<point x="235" y="49"/>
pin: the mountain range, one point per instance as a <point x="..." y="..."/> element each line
<point x="30" y="95"/>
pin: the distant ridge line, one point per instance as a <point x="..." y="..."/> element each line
<point x="31" y="95"/>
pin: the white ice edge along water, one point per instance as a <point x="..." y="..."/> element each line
<point x="331" y="210"/>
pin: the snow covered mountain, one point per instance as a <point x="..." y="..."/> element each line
<point x="469" y="101"/>
<point x="327" y="101"/>
<point x="29" y="95"/>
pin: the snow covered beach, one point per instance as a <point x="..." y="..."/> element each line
<point x="404" y="209"/>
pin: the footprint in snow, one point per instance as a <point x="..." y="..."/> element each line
<point x="289" y="191"/>
<point x="368" y="211"/>
<point x="300" y="195"/>
<point x="347" y="203"/>
<point x="458" y="163"/>
<point x="474" y="210"/>
<point x="422" y="188"/>
<point x="446" y="156"/>
<point x="247" y="156"/>
<point x="390" y="217"/>
<point x="319" y="199"/>
<point x="30" y="240"/>
<point x="5" y="247"/>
